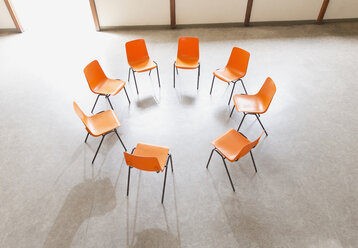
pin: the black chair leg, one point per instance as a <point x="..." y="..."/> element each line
<point x="135" y="81"/>
<point x="211" y="154"/>
<point x="150" y="72"/>
<point x="174" y="75"/>
<point x="243" y="86"/>
<point x="171" y="162"/>
<point x="115" y="130"/>
<point x="242" y="120"/>
<point x="129" y="101"/>
<point x="129" y="177"/>
<point x="197" y="84"/>
<point x="231" y="93"/>
<point x="261" y="124"/>
<point x="158" y="74"/>
<point x="86" y="137"/>
<point x="129" y="74"/>
<point x="212" y="84"/>
<point x="109" y="102"/>
<point x="253" y="161"/>
<point x="232" y="110"/>
<point x="232" y="185"/>
<point x="98" y="149"/>
<point x="165" y="180"/>
<point x="95" y="103"/>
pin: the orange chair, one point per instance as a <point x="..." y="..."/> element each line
<point x="138" y="59"/>
<point x="149" y="158"/>
<point x="187" y="56"/>
<point x="255" y="104"/>
<point x="99" y="124"/>
<point x="235" y="69"/>
<point x="232" y="146"/>
<point x="100" y="84"/>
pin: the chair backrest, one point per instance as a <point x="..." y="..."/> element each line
<point x="136" y="51"/>
<point x="248" y="147"/>
<point x="94" y="74"/>
<point x="188" y="47"/>
<point x="239" y="60"/>
<point x="142" y="163"/>
<point x="267" y="92"/>
<point x="79" y="112"/>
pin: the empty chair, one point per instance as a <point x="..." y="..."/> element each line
<point x="235" y="69"/>
<point x="232" y="146"/>
<point x="255" y="104"/>
<point x="149" y="158"/>
<point x="138" y="59"/>
<point x="99" y="124"/>
<point x="100" y="84"/>
<point x="187" y="56"/>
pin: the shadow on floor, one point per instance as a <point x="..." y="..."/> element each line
<point x="155" y="238"/>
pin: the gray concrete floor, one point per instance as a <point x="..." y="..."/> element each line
<point x="305" y="193"/>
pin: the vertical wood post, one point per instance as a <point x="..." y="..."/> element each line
<point x="248" y="12"/>
<point x="95" y="15"/>
<point x="322" y="11"/>
<point x="13" y="15"/>
<point x="172" y="14"/>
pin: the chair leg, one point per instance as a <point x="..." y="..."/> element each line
<point x="174" y="75"/>
<point x="115" y="130"/>
<point x="232" y="185"/>
<point x="129" y="101"/>
<point x="197" y="84"/>
<point x="95" y="103"/>
<point x="232" y="110"/>
<point x="129" y="177"/>
<point x="211" y="154"/>
<point x="212" y="84"/>
<point x="261" y="124"/>
<point x="109" y="102"/>
<point x="129" y="74"/>
<point x="86" y="137"/>
<point x="177" y="70"/>
<point x="171" y="162"/>
<point x="135" y="81"/>
<point x="242" y="120"/>
<point x="150" y="72"/>
<point x="253" y="161"/>
<point x="231" y="93"/>
<point x="98" y="149"/>
<point x="243" y="86"/>
<point x="158" y="74"/>
<point x="165" y="180"/>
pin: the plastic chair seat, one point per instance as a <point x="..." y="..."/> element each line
<point x="230" y="144"/>
<point x="187" y="63"/>
<point x="250" y="104"/>
<point x="141" y="66"/>
<point x="102" y="123"/>
<point x="228" y="75"/>
<point x="109" y="87"/>
<point x="159" y="152"/>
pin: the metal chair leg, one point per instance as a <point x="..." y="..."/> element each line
<point x="253" y="161"/>
<point x="261" y="124"/>
<point x="197" y="84"/>
<point x="129" y="74"/>
<point x="157" y="73"/>
<point x="109" y="102"/>
<point x="150" y="71"/>
<point x="86" y="137"/>
<point x="177" y="70"/>
<point x="129" y="177"/>
<point x="171" y="162"/>
<point x="231" y="93"/>
<point x="115" y="130"/>
<point x="232" y="185"/>
<point x="211" y="154"/>
<point x="212" y="84"/>
<point x="174" y="75"/>
<point x="242" y="120"/>
<point x="243" y="86"/>
<point x="232" y="110"/>
<point x="95" y="103"/>
<point x="165" y="180"/>
<point x="98" y="149"/>
<point x="129" y="101"/>
<point x="135" y="81"/>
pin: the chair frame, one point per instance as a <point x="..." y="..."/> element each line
<point x="242" y="120"/>
<point x="109" y="101"/>
<point x="169" y="157"/>
<point x="232" y="91"/>
<point x="223" y="158"/>
<point x="135" y="80"/>
<point x="176" y="69"/>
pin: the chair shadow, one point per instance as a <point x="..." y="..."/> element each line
<point x="146" y="103"/>
<point x="155" y="237"/>
<point x="87" y="199"/>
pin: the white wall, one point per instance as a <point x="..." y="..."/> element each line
<point x="133" y="12"/>
<point x="5" y="18"/>
<point x="209" y="11"/>
<point x="342" y="9"/>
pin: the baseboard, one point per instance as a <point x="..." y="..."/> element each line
<point x="8" y="30"/>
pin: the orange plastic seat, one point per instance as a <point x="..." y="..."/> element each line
<point x="255" y="104"/>
<point x="234" y="70"/>
<point x="100" y="84"/>
<point x="149" y="158"/>
<point x="232" y="146"/>
<point x="99" y="124"/>
<point x="187" y="56"/>
<point x="138" y="59"/>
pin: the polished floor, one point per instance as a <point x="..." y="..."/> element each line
<point x="305" y="193"/>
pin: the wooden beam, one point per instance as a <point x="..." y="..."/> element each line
<point x="13" y="15"/>
<point x="172" y="14"/>
<point x="95" y="15"/>
<point x="248" y="12"/>
<point x="322" y="11"/>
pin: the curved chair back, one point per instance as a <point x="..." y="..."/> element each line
<point x="239" y="60"/>
<point x="79" y="113"/>
<point x="267" y="92"/>
<point x="142" y="163"/>
<point x="188" y="47"/>
<point x="94" y="74"/>
<point x="248" y="147"/>
<point x="136" y="51"/>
